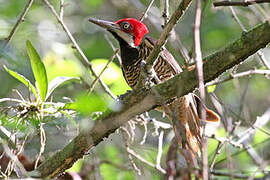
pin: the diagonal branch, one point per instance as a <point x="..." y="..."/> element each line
<point x="239" y="3"/>
<point x="83" y="56"/>
<point x="21" y="19"/>
<point x="142" y="100"/>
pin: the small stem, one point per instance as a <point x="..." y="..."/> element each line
<point x="83" y="56"/>
<point x="106" y="66"/>
<point x="21" y="19"/>
<point x="239" y="3"/>
<point x="165" y="33"/>
<point x="199" y="67"/>
<point x="61" y="13"/>
<point x="146" y="11"/>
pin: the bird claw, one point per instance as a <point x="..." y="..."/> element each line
<point x="122" y="96"/>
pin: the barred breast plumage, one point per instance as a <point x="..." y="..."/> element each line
<point x="165" y="66"/>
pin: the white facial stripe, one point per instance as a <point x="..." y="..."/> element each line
<point x="126" y="37"/>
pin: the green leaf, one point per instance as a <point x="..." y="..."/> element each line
<point x="108" y="172"/>
<point x="22" y="79"/>
<point x="5" y="135"/>
<point x="211" y="89"/>
<point x="87" y="104"/>
<point x="76" y="167"/>
<point x="39" y="70"/>
<point x="56" y="82"/>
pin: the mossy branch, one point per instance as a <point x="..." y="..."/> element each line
<point x="143" y="100"/>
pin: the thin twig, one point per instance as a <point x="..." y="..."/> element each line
<point x="250" y="72"/>
<point x="239" y="3"/>
<point x="159" y="155"/>
<point x="85" y="59"/>
<point x="146" y="11"/>
<point x="42" y="143"/>
<point x="239" y="176"/>
<point x="223" y="140"/>
<point x="15" y="159"/>
<point x="259" y="52"/>
<point x="239" y="75"/>
<point x="61" y="12"/>
<point x="113" y="48"/>
<point x="262" y="167"/>
<point x="144" y="122"/>
<point x="130" y="151"/>
<point x="199" y="67"/>
<point x="217" y="152"/>
<point x="237" y="19"/>
<point x="21" y="19"/>
<point x="263" y="60"/>
<point x="165" y="33"/>
<point x="165" y="13"/>
<point x="130" y="157"/>
<point x="105" y="67"/>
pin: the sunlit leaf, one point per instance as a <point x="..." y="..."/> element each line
<point x="108" y="172"/>
<point x="76" y="167"/>
<point x="124" y="175"/>
<point x="211" y="89"/>
<point x="38" y="69"/>
<point x="22" y="79"/>
<point x="112" y="76"/>
<point x="56" y="82"/>
<point x="111" y="152"/>
<point x="13" y="123"/>
<point x="260" y="137"/>
<point x="57" y="66"/>
<point x="87" y="104"/>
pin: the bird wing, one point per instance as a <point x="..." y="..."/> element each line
<point x="165" y="66"/>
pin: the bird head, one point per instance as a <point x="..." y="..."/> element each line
<point x="129" y="30"/>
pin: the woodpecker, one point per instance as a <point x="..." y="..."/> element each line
<point x="135" y="47"/>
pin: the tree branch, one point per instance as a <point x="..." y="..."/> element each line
<point x="239" y="3"/>
<point x="142" y="100"/>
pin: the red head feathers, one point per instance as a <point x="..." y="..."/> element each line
<point x="135" y="27"/>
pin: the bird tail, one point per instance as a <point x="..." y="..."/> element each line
<point x="187" y="122"/>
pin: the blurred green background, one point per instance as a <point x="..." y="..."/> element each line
<point x="242" y="100"/>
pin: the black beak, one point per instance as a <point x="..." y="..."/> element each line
<point x="105" y="24"/>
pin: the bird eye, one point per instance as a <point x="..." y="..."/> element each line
<point x="125" y="26"/>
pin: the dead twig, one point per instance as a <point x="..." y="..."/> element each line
<point x="250" y="72"/>
<point x="61" y="12"/>
<point x="130" y="157"/>
<point x="92" y="86"/>
<point x="199" y="67"/>
<point x="239" y="3"/>
<point x="159" y="155"/>
<point x="77" y="47"/>
<point x="146" y="11"/>
<point x="42" y="143"/>
<point x="21" y="19"/>
<point x="239" y="75"/>
<point x="133" y="153"/>
<point x="165" y="33"/>
<point x="165" y="13"/>
<point x="113" y="48"/>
